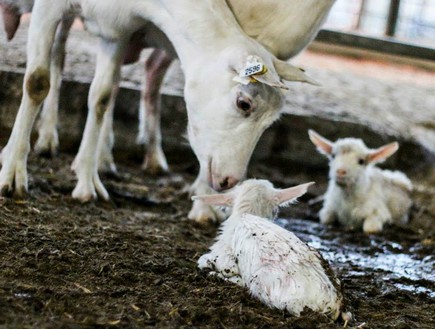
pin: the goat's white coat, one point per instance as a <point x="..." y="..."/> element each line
<point x="114" y="25"/>
<point x="48" y="140"/>
<point x="283" y="27"/>
<point x="273" y="263"/>
<point x="211" y="47"/>
<point x="362" y="194"/>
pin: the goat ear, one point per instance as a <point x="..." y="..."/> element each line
<point x="285" y="196"/>
<point x="382" y="153"/>
<point x="323" y="145"/>
<point x="270" y="79"/>
<point x="224" y="199"/>
<point x="289" y="72"/>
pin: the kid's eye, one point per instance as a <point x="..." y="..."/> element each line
<point x="361" y="162"/>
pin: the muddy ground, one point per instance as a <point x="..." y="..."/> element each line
<point x="131" y="262"/>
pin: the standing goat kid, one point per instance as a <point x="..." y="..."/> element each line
<point x="273" y="263"/>
<point x="360" y="194"/>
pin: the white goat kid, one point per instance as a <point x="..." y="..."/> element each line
<point x="225" y="121"/>
<point x="273" y="263"/>
<point x="360" y="194"/>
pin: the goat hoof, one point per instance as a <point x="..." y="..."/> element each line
<point x="84" y="198"/>
<point x="155" y="163"/>
<point x="108" y="168"/>
<point x="372" y="227"/>
<point x="83" y="195"/>
<point x="45" y="153"/>
<point x="154" y="170"/>
<point x="6" y="191"/>
<point x="20" y="192"/>
<point x="46" y="147"/>
<point x="204" y="215"/>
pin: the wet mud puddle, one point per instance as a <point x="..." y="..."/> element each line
<point x="401" y="264"/>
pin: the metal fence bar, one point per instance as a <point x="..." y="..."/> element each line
<point x="393" y="15"/>
<point x="385" y="45"/>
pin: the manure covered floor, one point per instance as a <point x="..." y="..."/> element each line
<point x="131" y="262"/>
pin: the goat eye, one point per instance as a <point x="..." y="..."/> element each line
<point x="245" y="105"/>
<point x="332" y="155"/>
<point x="361" y="162"/>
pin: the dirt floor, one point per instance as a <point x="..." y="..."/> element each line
<point x="131" y="262"/>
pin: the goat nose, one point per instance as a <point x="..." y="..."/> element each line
<point x="225" y="183"/>
<point x="341" y="172"/>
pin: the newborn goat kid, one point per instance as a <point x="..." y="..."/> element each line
<point x="360" y="194"/>
<point x="275" y="265"/>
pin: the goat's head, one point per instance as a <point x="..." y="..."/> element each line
<point x="256" y="197"/>
<point x="228" y="111"/>
<point x="349" y="157"/>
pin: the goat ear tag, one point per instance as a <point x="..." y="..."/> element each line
<point x="249" y="73"/>
<point x="253" y="69"/>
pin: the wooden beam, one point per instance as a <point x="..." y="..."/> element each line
<point x="384" y="45"/>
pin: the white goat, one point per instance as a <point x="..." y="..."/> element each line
<point x="48" y="141"/>
<point x="280" y="27"/>
<point x="360" y="194"/>
<point x="225" y="121"/>
<point x="273" y="263"/>
<point x="283" y="27"/>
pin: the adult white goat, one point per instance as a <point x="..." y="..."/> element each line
<point x="283" y="27"/>
<point x="48" y="141"/>
<point x="360" y="194"/>
<point x="273" y="263"/>
<point x="283" y="30"/>
<point x="246" y="109"/>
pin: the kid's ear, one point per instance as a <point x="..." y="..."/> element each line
<point x="324" y="145"/>
<point x="225" y="199"/>
<point x="382" y="153"/>
<point x="290" y="194"/>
